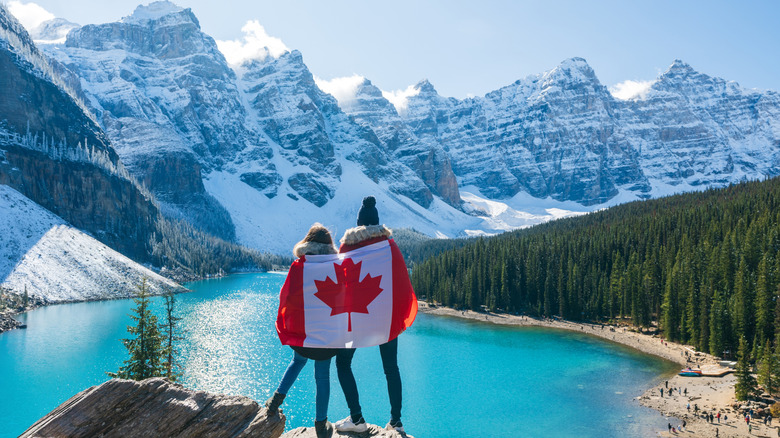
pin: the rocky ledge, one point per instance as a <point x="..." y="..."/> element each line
<point x="7" y="322"/>
<point x="156" y="408"/>
<point x="374" y="431"/>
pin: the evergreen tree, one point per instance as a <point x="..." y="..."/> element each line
<point x="145" y="349"/>
<point x="171" y="336"/>
<point x="746" y="383"/>
<point x="767" y="370"/>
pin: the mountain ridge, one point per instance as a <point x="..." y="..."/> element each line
<point x="559" y="136"/>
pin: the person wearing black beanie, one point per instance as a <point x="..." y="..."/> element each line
<point x="368" y="232"/>
<point x="368" y="214"/>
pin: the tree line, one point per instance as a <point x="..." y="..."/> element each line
<point x="179" y="246"/>
<point x="702" y="266"/>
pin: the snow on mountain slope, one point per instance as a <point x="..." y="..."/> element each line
<point x="257" y="151"/>
<point x="52" y="260"/>
<point x="562" y="134"/>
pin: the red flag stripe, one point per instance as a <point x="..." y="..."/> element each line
<point x="404" y="300"/>
<point x="291" y="321"/>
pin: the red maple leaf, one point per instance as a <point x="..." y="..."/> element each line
<point x="348" y="294"/>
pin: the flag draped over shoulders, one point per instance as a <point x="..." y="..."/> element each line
<point x="359" y="298"/>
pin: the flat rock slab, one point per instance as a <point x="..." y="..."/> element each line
<point x="373" y="431"/>
<point x="156" y="408"/>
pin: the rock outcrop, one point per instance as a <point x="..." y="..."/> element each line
<point x="156" y="408"/>
<point x="7" y="322"/>
<point x="374" y="431"/>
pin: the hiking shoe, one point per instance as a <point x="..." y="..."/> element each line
<point x="396" y="426"/>
<point x="323" y="428"/>
<point x="274" y="402"/>
<point x="347" y="425"/>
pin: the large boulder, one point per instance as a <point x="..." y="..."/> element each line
<point x="156" y="408"/>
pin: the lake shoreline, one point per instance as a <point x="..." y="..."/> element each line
<point x="711" y="394"/>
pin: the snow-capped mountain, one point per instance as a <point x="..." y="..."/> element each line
<point x="53" y="152"/>
<point x="371" y="109"/>
<point x="50" y="259"/>
<point x="234" y="148"/>
<point x="59" y="174"/>
<point x="561" y="134"/>
<point x="52" y="31"/>
<point x="165" y="96"/>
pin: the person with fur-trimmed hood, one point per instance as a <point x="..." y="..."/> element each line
<point x="317" y="241"/>
<point x="367" y="232"/>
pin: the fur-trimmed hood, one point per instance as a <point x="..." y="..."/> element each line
<point x="353" y="236"/>
<point x="313" y="248"/>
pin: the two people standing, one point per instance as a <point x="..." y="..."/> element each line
<point x="317" y="242"/>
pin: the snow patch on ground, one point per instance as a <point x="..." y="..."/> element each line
<point x="520" y="211"/>
<point x="59" y="263"/>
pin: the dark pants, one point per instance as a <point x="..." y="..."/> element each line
<point x="389" y="353"/>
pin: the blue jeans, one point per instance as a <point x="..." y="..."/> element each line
<point x="321" y="377"/>
<point x="389" y="353"/>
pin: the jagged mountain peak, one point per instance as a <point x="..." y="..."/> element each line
<point x="682" y="71"/>
<point x="681" y="78"/>
<point x="425" y="86"/>
<point x="576" y="69"/>
<point x="153" y="12"/>
<point x="367" y="89"/>
<point x="680" y="66"/>
<point x="52" y="31"/>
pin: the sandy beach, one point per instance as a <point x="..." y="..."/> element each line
<point x="709" y="394"/>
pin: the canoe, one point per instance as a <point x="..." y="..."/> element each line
<point x="690" y="373"/>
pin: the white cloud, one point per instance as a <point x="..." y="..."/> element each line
<point x="628" y="90"/>
<point x="343" y="89"/>
<point x="256" y="44"/>
<point x="400" y="98"/>
<point x="31" y="15"/>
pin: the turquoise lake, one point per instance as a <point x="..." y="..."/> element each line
<point x="460" y="378"/>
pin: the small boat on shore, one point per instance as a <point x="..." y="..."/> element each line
<point x="689" y="372"/>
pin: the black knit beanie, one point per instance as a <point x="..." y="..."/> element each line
<point x="368" y="214"/>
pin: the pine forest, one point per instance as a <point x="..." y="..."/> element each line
<point x="704" y="267"/>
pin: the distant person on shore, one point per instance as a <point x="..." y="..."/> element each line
<point x="318" y="241"/>
<point x="367" y="232"/>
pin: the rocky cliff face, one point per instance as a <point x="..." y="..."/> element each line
<point x="312" y="131"/>
<point x="156" y="407"/>
<point x="562" y="134"/>
<point x="168" y="101"/>
<point x="54" y="153"/>
<point x="426" y="158"/>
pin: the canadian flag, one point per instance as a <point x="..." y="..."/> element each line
<point x="359" y="298"/>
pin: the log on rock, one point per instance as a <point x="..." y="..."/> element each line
<point x="156" y="408"/>
<point x="373" y="431"/>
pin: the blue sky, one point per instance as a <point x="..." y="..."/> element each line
<point x="469" y="48"/>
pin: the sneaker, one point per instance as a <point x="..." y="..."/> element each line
<point x="347" y="425"/>
<point x="323" y="428"/>
<point x="396" y="426"/>
<point x="274" y="402"/>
